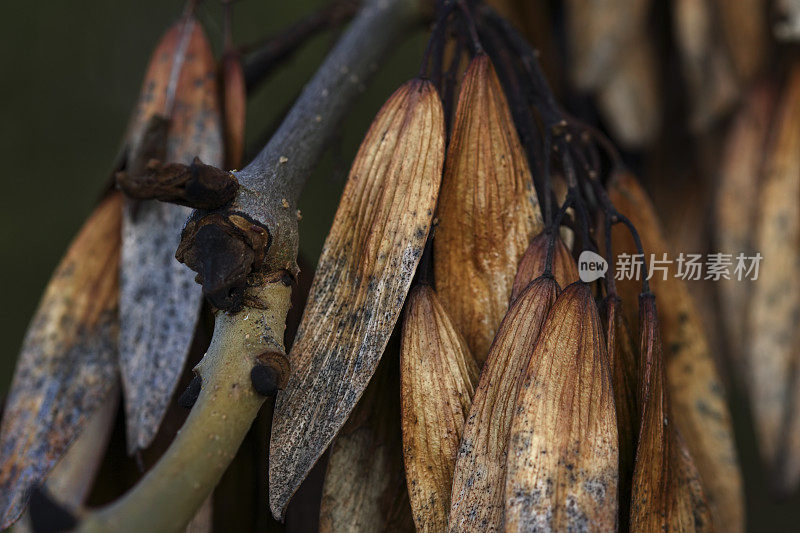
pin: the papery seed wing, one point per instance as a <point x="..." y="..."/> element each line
<point x="365" y="487"/>
<point x="234" y="100"/>
<point x="488" y="212"/>
<point x="562" y="465"/>
<point x="667" y="493"/>
<point x="623" y="363"/>
<point x="599" y="33"/>
<point x="630" y="98"/>
<point x="67" y="366"/>
<point x="699" y="406"/>
<point x="735" y="208"/>
<point x="774" y="343"/>
<point x="362" y="278"/>
<point x="160" y="302"/>
<point x="479" y="476"/>
<point x="705" y="60"/>
<point x="438" y="378"/>
<point x="534" y="262"/>
<point x="745" y="29"/>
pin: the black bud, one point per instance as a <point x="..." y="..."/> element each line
<point x="226" y="261"/>
<point x="191" y="393"/>
<point x="47" y="515"/>
<point x="265" y="382"/>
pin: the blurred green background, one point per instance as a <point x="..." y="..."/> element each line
<point x="70" y="76"/>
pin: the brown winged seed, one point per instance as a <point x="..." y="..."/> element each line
<point x="438" y="377"/>
<point x="234" y="107"/>
<point x="562" y="455"/>
<point x="623" y="363"/>
<point x="365" y="489"/>
<point x="479" y="477"/>
<point x="533" y="262"/>
<point x="488" y="210"/>
<point x="67" y="365"/>
<point x="667" y="493"/>
<point x="159" y="299"/>
<point x="736" y="206"/>
<point x="699" y="406"/>
<point x="362" y="278"/>
<point x="774" y="344"/>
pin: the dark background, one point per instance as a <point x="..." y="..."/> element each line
<point x="69" y="77"/>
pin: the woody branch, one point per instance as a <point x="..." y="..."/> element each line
<point x="261" y="227"/>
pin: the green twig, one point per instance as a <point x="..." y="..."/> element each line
<point x="252" y="334"/>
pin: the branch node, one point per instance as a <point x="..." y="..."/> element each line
<point x="224" y="248"/>
<point x="197" y="185"/>
<point x="278" y="366"/>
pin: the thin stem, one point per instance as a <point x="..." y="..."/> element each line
<point x="548" y="179"/>
<point x="469" y="19"/>
<point x="616" y="217"/>
<point x="553" y="230"/>
<point x="441" y="39"/>
<point x="263" y="58"/>
<point x="448" y="92"/>
<point x="227" y="24"/>
<point x="541" y="95"/>
<point x="168" y="496"/>
<point x="435" y="47"/>
<point x="640" y="250"/>
<point x="611" y="284"/>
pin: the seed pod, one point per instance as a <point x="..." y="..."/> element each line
<point x="736" y="205"/>
<point x="488" y="211"/>
<point x="629" y="98"/>
<point x="480" y="472"/>
<point x="438" y="377"/>
<point x="667" y="493"/>
<point x="234" y="106"/>
<point x="533" y="263"/>
<point x="699" y="406"/>
<point x="563" y="451"/>
<point x="775" y="304"/>
<point x="711" y="81"/>
<point x="159" y="299"/>
<point x="623" y="364"/>
<point x="67" y="365"/>
<point x="365" y="489"/>
<point x="745" y="27"/>
<point x="610" y="54"/>
<point x="365" y="271"/>
<point x="599" y="33"/>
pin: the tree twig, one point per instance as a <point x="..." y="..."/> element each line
<point x="265" y="56"/>
<point x="167" y="497"/>
<point x="258" y="232"/>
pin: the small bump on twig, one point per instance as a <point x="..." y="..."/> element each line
<point x="191" y="393"/>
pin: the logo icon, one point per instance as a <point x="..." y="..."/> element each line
<point x="591" y="266"/>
